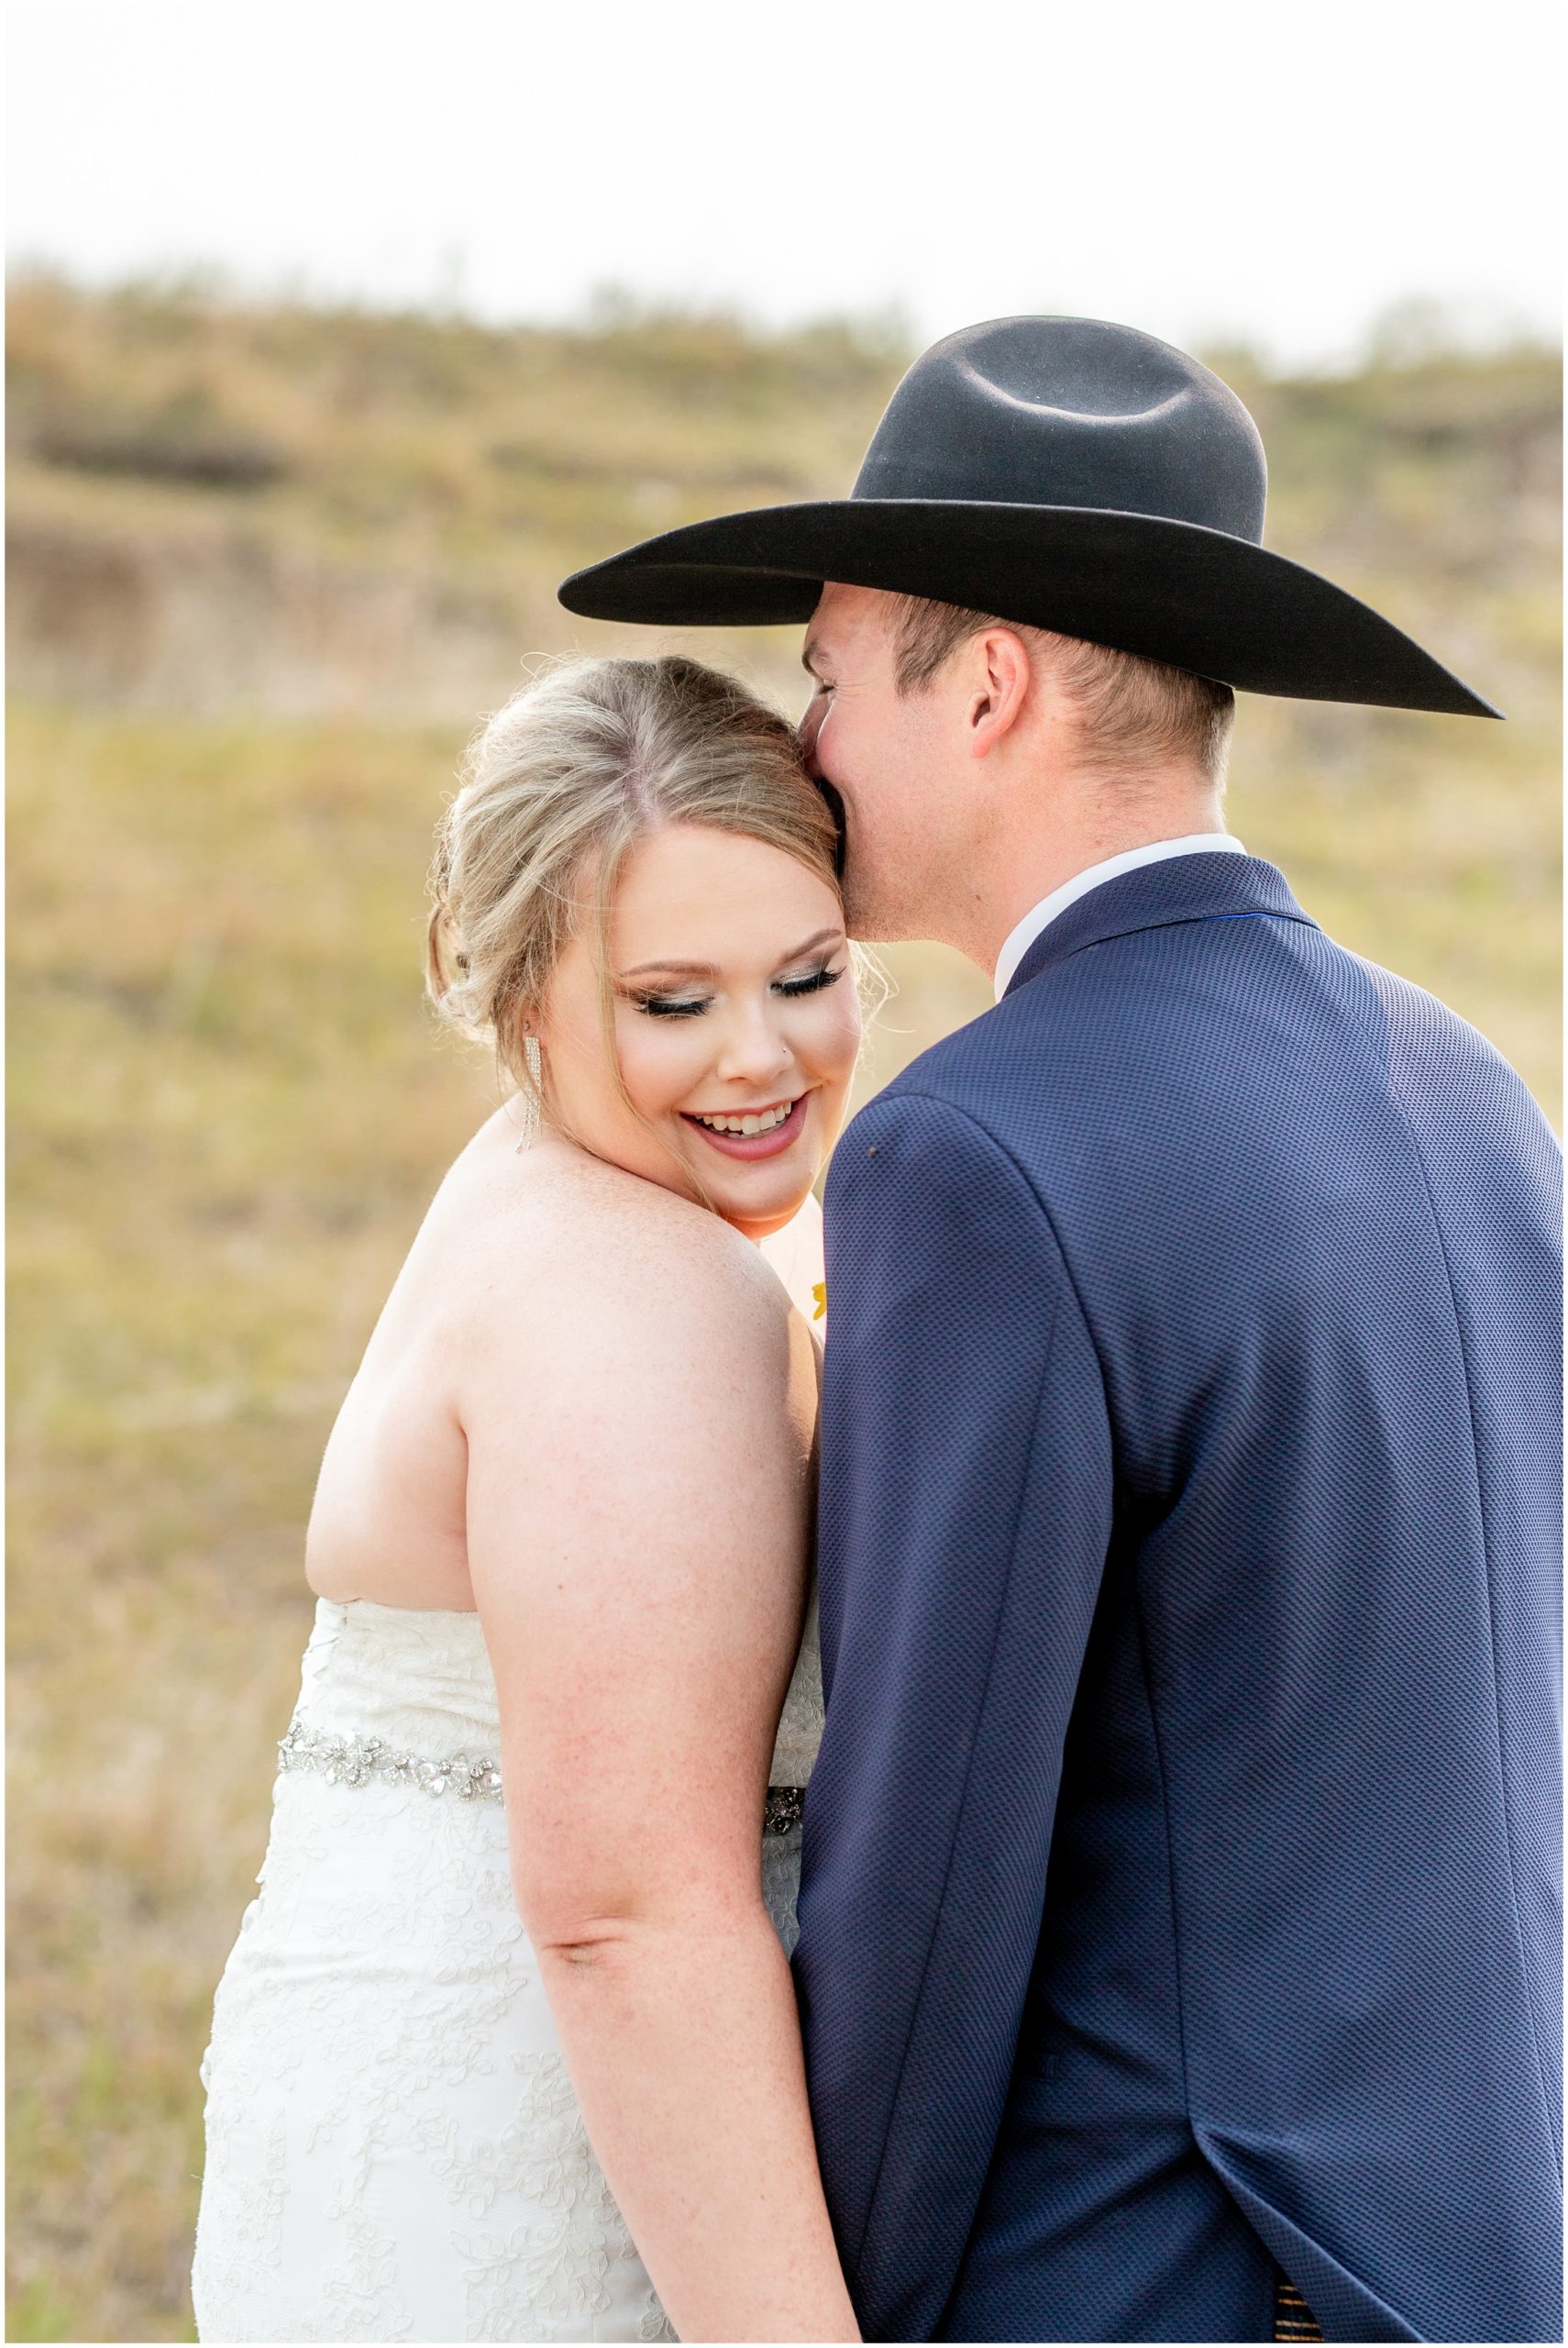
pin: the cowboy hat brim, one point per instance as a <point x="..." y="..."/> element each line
<point x="1172" y="592"/>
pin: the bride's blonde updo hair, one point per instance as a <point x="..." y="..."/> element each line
<point x="557" y="788"/>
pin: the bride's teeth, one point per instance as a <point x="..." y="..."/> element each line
<point x="762" y="1120"/>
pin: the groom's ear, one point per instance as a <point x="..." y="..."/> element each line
<point x="995" y="684"/>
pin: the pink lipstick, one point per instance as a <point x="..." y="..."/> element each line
<point x="768" y="1145"/>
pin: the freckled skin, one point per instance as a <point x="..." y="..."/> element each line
<point x="390" y="1519"/>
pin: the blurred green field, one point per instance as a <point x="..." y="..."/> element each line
<point x="229" y="1106"/>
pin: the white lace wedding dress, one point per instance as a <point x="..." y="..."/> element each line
<point x="393" y="2148"/>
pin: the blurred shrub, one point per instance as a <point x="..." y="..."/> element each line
<point x="181" y="441"/>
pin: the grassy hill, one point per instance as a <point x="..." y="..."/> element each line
<point x="268" y="565"/>
<point x="303" y="510"/>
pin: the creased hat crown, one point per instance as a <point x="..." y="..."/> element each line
<point x="1070" y="412"/>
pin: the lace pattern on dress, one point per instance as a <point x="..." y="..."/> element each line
<point x="394" y="2150"/>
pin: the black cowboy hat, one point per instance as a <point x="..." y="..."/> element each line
<point x="1064" y="474"/>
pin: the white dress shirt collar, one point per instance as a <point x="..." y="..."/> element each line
<point x="1022" y="938"/>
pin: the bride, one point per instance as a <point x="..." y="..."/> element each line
<point x="515" y="1994"/>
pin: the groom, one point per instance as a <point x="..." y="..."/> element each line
<point x="1177" y="1955"/>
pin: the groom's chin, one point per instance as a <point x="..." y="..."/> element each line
<point x="860" y="904"/>
<point x="870" y="920"/>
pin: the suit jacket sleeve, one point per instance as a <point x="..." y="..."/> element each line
<point x="965" y="1514"/>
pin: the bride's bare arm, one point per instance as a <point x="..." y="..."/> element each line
<point x="639" y="1429"/>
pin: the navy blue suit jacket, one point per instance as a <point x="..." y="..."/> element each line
<point x="1181" y="1891"/>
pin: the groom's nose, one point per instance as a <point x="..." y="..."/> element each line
<point x="806" y="734"/>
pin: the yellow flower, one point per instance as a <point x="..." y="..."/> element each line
<point x="820" y="1292"/>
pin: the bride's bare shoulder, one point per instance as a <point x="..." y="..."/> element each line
<point x="569" y="1252"/>
<point x="614" y="1226"/>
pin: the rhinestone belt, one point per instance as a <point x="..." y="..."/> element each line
<point x="363" y="1760"/>
<point x="356" y="1760"/>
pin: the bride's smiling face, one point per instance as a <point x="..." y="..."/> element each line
<point x="735" y="1021"/>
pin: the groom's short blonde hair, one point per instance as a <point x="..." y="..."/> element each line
<point x="1131" y="712"/>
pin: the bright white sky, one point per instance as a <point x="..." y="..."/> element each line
<point x="1276" y="171"/>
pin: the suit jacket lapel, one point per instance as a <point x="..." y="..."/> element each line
<point x="1180" y="889"/>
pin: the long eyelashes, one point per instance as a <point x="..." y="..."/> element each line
<point x="664" y="1006"/>
<point x="813" y="985"/>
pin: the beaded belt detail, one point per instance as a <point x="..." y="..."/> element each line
<point x="358" y="1760"/>
<point x="364" y="1760"/>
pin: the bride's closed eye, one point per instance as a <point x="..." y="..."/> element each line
<point x="813" y="984"/>
<point x="667" y="1006"/>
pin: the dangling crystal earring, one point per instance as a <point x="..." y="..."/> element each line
<point x="528" y="1099"/>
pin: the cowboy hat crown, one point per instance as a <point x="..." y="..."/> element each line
<point x="1069" y="412"/>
